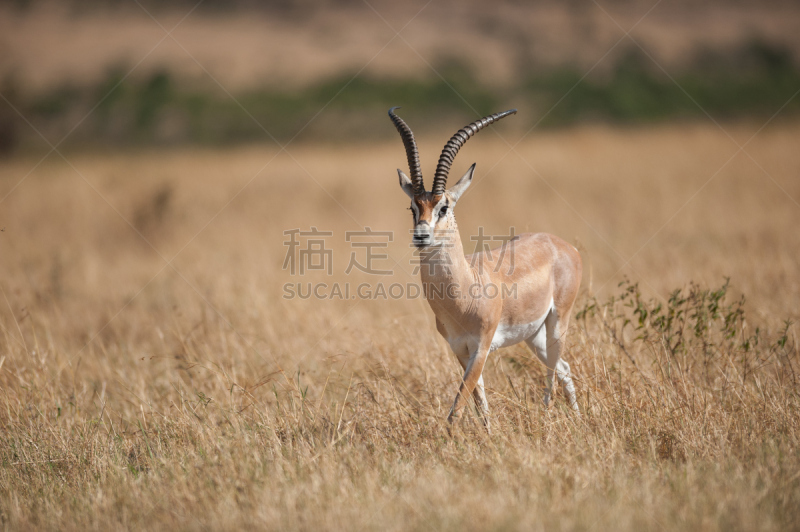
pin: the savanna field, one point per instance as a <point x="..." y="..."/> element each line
<point x="152" y="374"/>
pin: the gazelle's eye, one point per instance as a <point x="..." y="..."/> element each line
<point x="443" y="212"/>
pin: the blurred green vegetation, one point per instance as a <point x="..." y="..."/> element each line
<point x="755" y="80"/>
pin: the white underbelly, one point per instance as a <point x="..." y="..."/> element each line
<point x="507" y="334"/>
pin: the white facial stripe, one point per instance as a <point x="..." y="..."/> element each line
<point x="438" y="208"/>
<point x="415" y="209"/>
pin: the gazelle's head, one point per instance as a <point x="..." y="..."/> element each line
<point x="434" y="220"/>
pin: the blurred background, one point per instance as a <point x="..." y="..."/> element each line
<point x="327" y="70"/>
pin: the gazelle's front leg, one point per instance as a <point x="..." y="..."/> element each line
<point x="479" y="394"/>
<point x="470" y="381"/>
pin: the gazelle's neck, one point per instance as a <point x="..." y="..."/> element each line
<point x="444" y="267"/>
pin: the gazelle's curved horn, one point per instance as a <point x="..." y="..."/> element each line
<point x="454" y="144"/>
<point x="411" y="152"/>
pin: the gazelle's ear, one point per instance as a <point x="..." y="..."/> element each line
<point x="458" y="189"/>
<point x="405" y="184"/>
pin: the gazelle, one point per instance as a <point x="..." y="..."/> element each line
<point x="522" y="291"/>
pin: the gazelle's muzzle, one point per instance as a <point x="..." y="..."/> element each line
<point x="423" y="235"/>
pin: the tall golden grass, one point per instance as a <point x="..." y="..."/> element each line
<point x="152" y="375"/>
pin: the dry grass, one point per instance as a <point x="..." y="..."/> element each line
<point x="136" y="394"/>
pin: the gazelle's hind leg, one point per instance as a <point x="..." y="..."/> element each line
<point x="562" y="367"/>
<point x="547" y="343"/>
<point x="538" y="344"/>
<point x="565" y="380"/>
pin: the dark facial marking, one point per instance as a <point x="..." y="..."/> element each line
<point x="425" y="205"/>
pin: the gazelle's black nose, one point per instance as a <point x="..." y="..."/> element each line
<point x="422" y="235"/>
<point x="421" y="240"/>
